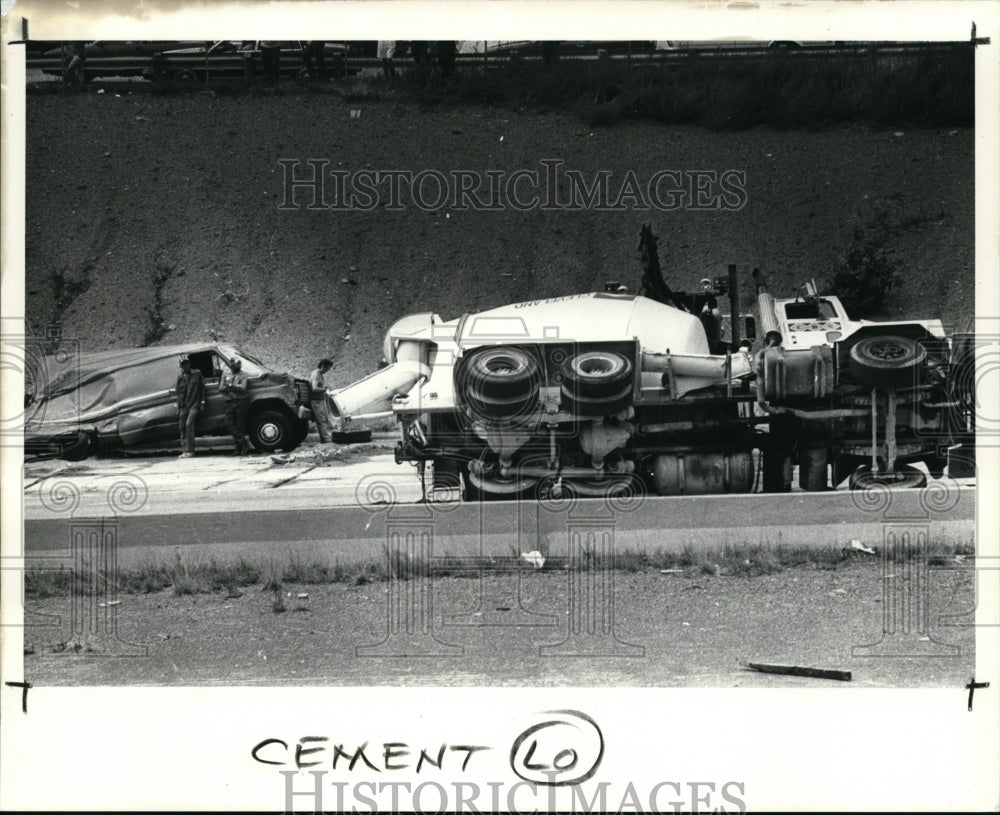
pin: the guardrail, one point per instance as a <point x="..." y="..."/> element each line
<point x="108" y="67"/>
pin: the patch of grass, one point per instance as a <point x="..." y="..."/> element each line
<point x="869" y="271"/>
<point x="298" y="570"/>
<point x="42" y="583"/>
<point x="278" y="602"/>
<point x="185" y="579"/>
<point x="727" y="559"/>
<point x="272" y="577"/>
<point x="145" y="580"/>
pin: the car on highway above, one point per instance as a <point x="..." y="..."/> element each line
<point x="110" y="57"/>
<point x="81" y="403"/>
<point x="738" y="45"/>
<point x="580" y="49"/>
<point x="239" y="60"/>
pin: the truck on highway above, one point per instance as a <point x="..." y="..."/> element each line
<point x="599" y="393"/>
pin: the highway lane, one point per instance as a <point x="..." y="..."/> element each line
<point x="246" y="526"/>
<point x="225" y="507"/>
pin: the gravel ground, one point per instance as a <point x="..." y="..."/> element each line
<point x="692" y="630"/>
<point x="154" y="218"/>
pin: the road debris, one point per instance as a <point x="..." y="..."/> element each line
<point x="858" y="546"/>
<point x="535" y="558"/>
<point x="796" y="670"/>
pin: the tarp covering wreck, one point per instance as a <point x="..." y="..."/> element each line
<point x="87" y="388"/>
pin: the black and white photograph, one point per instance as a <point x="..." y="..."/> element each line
<point x="426" y="425"/>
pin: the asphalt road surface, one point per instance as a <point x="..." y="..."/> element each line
<point x="344" y="503"/>
<point x="484" y="627"/>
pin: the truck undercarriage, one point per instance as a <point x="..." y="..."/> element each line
<point x="605" y="394"/>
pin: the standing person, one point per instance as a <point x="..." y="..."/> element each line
<point x="74" y="57"/>
<point x="550" y="53"/>
<point x="270" y="54"/>
<point x="386" y="52"/>
<point x="446" y="50"/>
<point x="234" y="389"/>
<point x="190" y="401"/>
<point x="420" y="51"/>
<point x="317" y="400"/>
<point x="315" y="59"/>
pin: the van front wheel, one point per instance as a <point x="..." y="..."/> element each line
<point x="272" y="430"/>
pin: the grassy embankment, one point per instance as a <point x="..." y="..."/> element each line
<point x="186" y="576"/>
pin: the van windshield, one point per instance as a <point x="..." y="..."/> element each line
<point x="251" y="365"/>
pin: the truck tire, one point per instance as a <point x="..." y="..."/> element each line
<point x="75" y="448"/>
<point x="593" y="406"/>
<point x="886" y="361"/>
<point x="500" y="383"/>
<point x="359" y="436"/>
<point x="489" y="408"/>
<point x="596" y="374"/>
<point x="904" y="476"/>
<point x="842" y="465"/>
<point x="185" y="79"/>
<point x="962" y="389"/>
<point x="272" y="430"/>
<point x="500" y="373"/>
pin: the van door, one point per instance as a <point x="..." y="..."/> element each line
<point x="212" y="420"/>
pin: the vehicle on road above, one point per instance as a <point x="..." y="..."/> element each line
<point x="240" y="60"/>
<point x="80" y="403"/>
<point x="110" y="57"/>
<point x="571" y="48"/>
<point x="599" y="393"/>
<point x="740" y="45"/>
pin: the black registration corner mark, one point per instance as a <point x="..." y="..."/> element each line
<point x="972" y="686"/>
<point x="24" y="686"/>
<point x="565" y="749"/>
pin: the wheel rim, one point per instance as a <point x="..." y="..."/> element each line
<point x="887" y="350"/>
<point x="595" y="367"/>
<point x="503" y="366"/>
<point x="269" y="433"/>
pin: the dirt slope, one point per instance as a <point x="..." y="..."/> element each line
<point x="154" y="219"/>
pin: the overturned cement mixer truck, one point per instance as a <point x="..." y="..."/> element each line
<point x="602" y="392"/>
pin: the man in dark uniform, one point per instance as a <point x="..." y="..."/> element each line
<point x="234" y="390"/>
<point x="446" y="50"/>
<point x="315" y="59"/>
<point x="190" y="399"/>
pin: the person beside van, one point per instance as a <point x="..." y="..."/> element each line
<point x="190" y="402"/>
<point x="318" y="400"/>
<point x="234" y="390"/>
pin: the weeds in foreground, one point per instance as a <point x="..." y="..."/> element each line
<point x="184" y="577"/>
